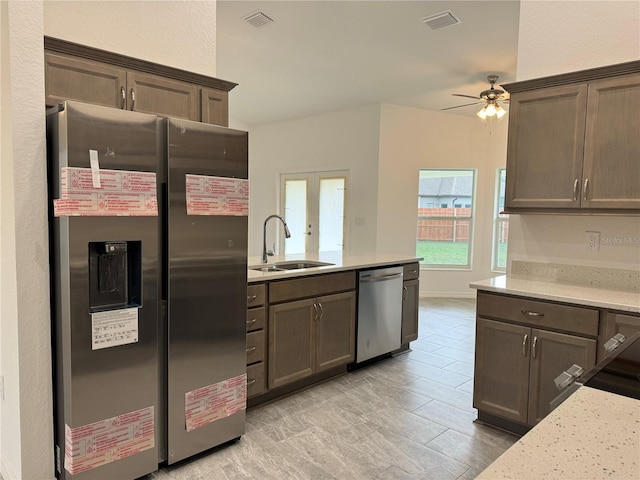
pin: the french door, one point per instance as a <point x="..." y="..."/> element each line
<point x="314" y="207"/>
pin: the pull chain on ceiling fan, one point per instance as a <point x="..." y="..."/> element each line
<point x="490" y="97"/>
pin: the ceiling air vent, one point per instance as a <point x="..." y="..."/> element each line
<point x="442" y="19"/>
<point x="258" y="19"/>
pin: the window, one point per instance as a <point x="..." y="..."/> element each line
<point x="444" y="234"/>
<point x="313" y="205"/>
<point x="500" y="225"/>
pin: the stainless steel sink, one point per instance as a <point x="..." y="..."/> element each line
<point x="266" y="268"/>
<point x="298" y="264"/>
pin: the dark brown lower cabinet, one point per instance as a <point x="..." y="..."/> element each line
<point x="309" y="336"/>
<point x="410" y="306"/>
<point x="516" y="365"/>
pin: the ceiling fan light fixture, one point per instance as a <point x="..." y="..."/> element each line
<point x="490" y="110"/>
<point x="482" y="113"/>
<point x="500" y="112"/>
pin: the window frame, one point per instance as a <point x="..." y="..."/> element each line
<point x="471" y="219"/>
<point x="498" y="221"/>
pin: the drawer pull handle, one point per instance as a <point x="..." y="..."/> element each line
<point x="252" y="298"/>
<point x="413" y="271"/>
<point x="535" y="342"/>
<point x="251" y="349"/>
<point x="532" y="314"/>
<point x="252" y="321"/>
<point x="524" y="345"/>
<point x="251" y="382"/>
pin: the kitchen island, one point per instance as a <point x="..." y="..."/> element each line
<point x="593" y="434"/>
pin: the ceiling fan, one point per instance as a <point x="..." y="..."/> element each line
<point x="489" y="97"/>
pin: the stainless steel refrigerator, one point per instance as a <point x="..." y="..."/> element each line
<point x="148" y="260"/>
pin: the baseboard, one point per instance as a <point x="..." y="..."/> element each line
<point x="471" y="294"/>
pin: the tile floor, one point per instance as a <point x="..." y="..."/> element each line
<point x="408" y="417"/>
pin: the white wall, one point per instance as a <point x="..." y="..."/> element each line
<point x="558" y="37"/>
<point x="178" y="33"/>
<point x="346" y="139"/>
<point x="175" y="33"/>
<point x="411" y="139"/>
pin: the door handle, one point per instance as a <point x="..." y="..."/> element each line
<point x="315" y="307"/>
<point x="533" y="347"/>
<point x="321" y="311"/>
<point x="380" y="278"/>
<point x="575" y="189"/>
<point x="133" y="98"/>
<point x="123" y="92"/>
<point x="585" y="189"/>
<point x="524" y="345"/>
<point x="405" y="293"/>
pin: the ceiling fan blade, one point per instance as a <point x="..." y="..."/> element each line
<point x="465" y="105"/>
<point x="466" y="96"/>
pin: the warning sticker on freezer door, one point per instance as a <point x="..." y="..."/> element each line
<point x="213" y="402"/>
<point x="114" y="327"/>
<point x="108" y="440"/>
<point x="221" y="196"/>
<point x="117" y="193"/>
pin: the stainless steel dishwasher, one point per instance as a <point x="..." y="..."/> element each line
<point x="379" y="312"/>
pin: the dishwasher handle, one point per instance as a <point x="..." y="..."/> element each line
<point x="380" y="278"/>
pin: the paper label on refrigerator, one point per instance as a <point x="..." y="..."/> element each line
<point x="95" y="168"/>
<point x="119" y="193"/>
<point x="216" y="401"/>
<point x="114" y="327"/>
<point x="105" y="441"/>
<point x="221" y="196"/>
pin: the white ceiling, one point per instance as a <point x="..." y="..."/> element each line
<point x="319" y="56"/>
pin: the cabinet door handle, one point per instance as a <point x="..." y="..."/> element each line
<point x="123" y="92"/>
<point x="251" y="349"/>
<point x="524" y="345"/>
<point x="315" y="307"/>
<point x="251" y="382"/>
<point x="133" y="98"/>
<point x="533" y="347"/>
<point x="321" y="310"/>
<point x="585" y="189"/>
<point x="531" y="314"/>
<point x="576" y="182"/>
<point x="405" y="293"/>
<point x="251" y="298"/>
<point x="252" y="321"/>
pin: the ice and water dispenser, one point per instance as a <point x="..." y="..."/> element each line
<point x="115" y="274"/>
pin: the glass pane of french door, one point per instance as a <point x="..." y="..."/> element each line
<point x="331" y="214"/>
<point x="295" y="214"/>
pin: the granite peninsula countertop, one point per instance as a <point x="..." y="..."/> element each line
<point x="341" y="261"/>
<point x="593" y="434"/>
<point x="628" y="301"/>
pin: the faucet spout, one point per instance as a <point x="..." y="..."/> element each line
<point x="287" y="234"/>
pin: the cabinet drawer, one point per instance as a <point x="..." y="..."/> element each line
<point x="255" y="347"/>
<point x="411" y="271"/>
<point x="536" y="313"/>
<point x="255" y="318"/>
<point x="256" y="294"/>
<point x="255" y="379"/>
<point x="306" y="287"/>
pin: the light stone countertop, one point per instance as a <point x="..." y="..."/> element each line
<point x="342" y="261"/>
<point x="627" y="301"/>
<point x="591" y="435"/>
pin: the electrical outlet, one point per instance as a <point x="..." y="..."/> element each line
<point x="593" y="241"/>
<point x="1" y="387"/>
